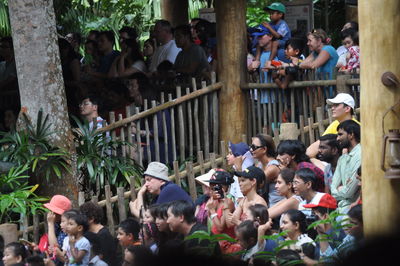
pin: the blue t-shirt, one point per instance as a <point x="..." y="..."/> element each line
<point x="106" y="61"/>
<point x="329" y="66"/>
<point x="170" y="192"/>
<point x="265" y="78"/>
<point x="81" y="244"/>
<point x="282" y="28"/>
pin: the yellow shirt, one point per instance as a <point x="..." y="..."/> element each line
<point x="332" y="128"/>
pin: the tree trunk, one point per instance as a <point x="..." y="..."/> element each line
<point x="231" y="36"/>
<point x="175" y="11"/>
<point x="40" y="79"/>
<point x="380" y="195"/>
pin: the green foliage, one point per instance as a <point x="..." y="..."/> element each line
<point x="255" y="13"/>
<point x="98" y="164"/>
<point x="17" y="196"/>
<point x="5" y="28"/>
<point x="31" y="146"/>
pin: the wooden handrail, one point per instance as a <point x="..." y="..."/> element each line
<point x="161" y="107"/>
<point x="298" y="84"/>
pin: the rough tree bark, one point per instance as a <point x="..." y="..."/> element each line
<point x="175" y="11"/>
<point x="40" y="79"/>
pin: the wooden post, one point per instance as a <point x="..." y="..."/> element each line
<point x="110" y="220"/>
<point x="121" y="204"/>
<point x="341" y="85"/>
<point x="231" y="35"/>
<point x="175" y="11"/>
<point x="380" y="195"/>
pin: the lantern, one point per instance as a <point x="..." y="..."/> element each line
<point x="393" y="156"/>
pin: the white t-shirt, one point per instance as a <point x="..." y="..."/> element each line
<point x="168" y="51"/>
<point x="140" y="65"/>
<point x="315" y="200"/>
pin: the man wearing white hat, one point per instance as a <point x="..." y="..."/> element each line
<point x="342" y="107"/>
<point x="158" y="184"/>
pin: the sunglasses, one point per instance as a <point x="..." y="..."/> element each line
<point x="254" y="147"/>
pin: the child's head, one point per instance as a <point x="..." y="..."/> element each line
<point x="285" y="256"/>
<point x="276" y="11"/>
<point x="138" y="255"/>
<point x="161" y="217"/>
<point x="149" y="233"/>
<point x="95" y="242"/>
<point x="147" y="217"/>
<point x="77" y="224"/>
<point x="246" y="232"/>
<point x="349" y="37"/>
<point x="258" y="213"/>
<point x="128" y="232"/>
<point x="93" y="212"/>
<point x="294" y="47"/>
<point x="14" y="253"/>
<point x="65" y="217"/>
<point x="35" y="261"/>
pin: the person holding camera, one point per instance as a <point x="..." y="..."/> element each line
<point x="219" y="204"/>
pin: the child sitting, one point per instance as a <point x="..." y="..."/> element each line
<point x="14" y="253"/>
<point x="96" y="251"/>
<point x="353" y="56"/>
<point x="293" y="51"/>
<point x="128" y="233"/>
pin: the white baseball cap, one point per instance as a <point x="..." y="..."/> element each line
<point x="342" y="98"/>
<point x="203" y="179"/>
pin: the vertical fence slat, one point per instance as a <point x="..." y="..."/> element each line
<point x="147" y="129"/>
<point x="113" y="133"/>
<point x="301" y="127"/>
<point x="292" y="107"/>
<point x="129" y="148"/>
<point x="330" y="118"/>
<point x="155" y="133"/>
<point x="304" y="99"/>
<point x="181" y="124"/>
<point x="139" y="140"/>
<point x="122" y="136"/>
<point x="165" y="130"/>
<point x="95" y="199"/>
<point x="173" y="140"/>
<point x="223" y="153"/>
<point x="311" y="130"/>
<point x="36" y="227"/>
<point x="253" y="112"/>
<point x="190" y="124"/>
<point x="191" y="181"/>
<point x="274" y="98"/>
<point x="280" y="105"/>
<point x="200" y="160"/>
<point x="25" y="223"/>
<point x="110" y="220"/>
<point x="320" y="119"/>
<point x="121" y="204"/>
<point x="258" y="118"/>
<point x="214" y="96"/>
<point x="81" y="198"/>
<point x="196" y="117"/>
<point x="176" y="173"/>
<point x="213" y="160"/>
<point x="270" y="113"/>
<point x="205" y="125"/>
<point x="132" y="188"/>
<point x="265" y="114"/>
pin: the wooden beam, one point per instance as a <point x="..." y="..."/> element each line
<point x="380" y="196"/>
<point x="231" y="35"/>
<point x="175" y="11"/>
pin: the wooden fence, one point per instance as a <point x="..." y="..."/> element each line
<point x="303" y="102"/>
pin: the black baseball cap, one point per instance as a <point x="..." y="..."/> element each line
<point x="252" y="172"/>
<point x="221" y="177"/>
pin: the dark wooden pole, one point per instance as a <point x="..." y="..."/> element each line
<point x="175" y="11"/>
<point x="231" y="35"/>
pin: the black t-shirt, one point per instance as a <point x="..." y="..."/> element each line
<point x="109" y="246"/>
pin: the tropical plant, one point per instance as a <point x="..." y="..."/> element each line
<point x="255" y="13"/>
<point x="17" y="197"/>
<point x="98" y="162"/>
<point x="30" y="146"/>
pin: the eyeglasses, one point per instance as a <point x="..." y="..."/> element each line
<point x="84" y="104"/>
<point x="254" y="147"/>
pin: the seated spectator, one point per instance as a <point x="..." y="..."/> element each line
<point x="323" y="57"/>
<point x="14" y="253"/>
<point x="343" y="108"/>
<point x="191" y="61"/>
<point x="248" y="182"/>
<point x="96" y="250"/>
<point x="201" y="212"/>
<point x="168" y="49"/>
<point x="284" y="186"/>
<point x="304" y="184"/>
<point x="294" y="222"/>
<point x="128" y="233"/>
<point x="108" y="243"/>
<point x="286" y="256"/>
<point x="150" y="236"/>
<point x="344" y="185"/>
<point x="35" y="261"/>
<point x="292" y="154"/>
<point x="89" y="109"/>
<point x="181" y="220"/>
<point x="8" y="71"/>
<point x="247" y="234"/>
<point x="138" y="256"/>
<point x="160" y="214"/>
<point x="239" y="157"/>
<point x="329" y="152"/>
<point x="129" y="61"/>
<point x="158" y="184"/>
<point x="263" y="150"/>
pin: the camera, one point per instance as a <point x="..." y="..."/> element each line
<point x="218" y="189"/>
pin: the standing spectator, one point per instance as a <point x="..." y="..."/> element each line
<point x="329" y="152"/>
<point x="127" y="33"/>
<point x="8" y="71"/>
<point x="148" y="50"/>
<point x="93" y="35"/>
<point x="168" y="50"/>
<point x="353" y="56"/>
<point x="89" y="109"/>
<point x="75" y="39"/>
<point x="191" y="61"/>
<point x="347" y="42"/>
<point x="106" y="42"/>
<point x="158" y="184"/>
<point x="344" y="185"/>
<point x="263" y="150"/>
